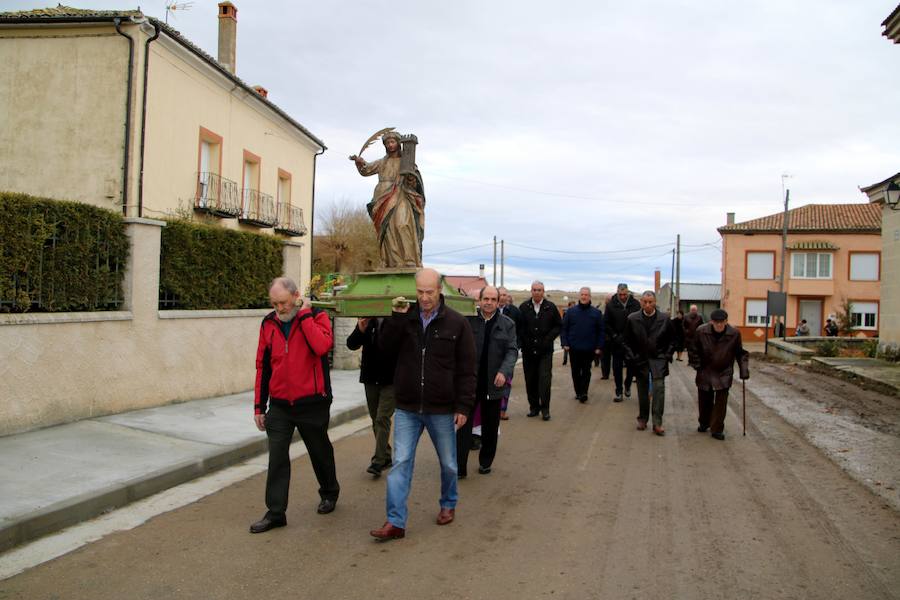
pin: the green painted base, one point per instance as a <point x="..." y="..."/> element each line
<point x="370" y="295"/>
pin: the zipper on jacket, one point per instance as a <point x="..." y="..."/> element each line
<point x="422" y="382"/>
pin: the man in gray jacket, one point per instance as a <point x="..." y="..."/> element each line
<point x="496" y="352"/>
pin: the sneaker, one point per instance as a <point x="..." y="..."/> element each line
<point x="641" y="424"/>
<point x="719" y="436"/>
<point x="702" y="429"/>
<point x="618" y="398"/>
<point x="628" y="392"/>
<point x="374" y="470"/>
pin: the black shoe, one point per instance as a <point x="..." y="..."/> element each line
<point x="546" y="417"/>
<point x="605" y="377"/>
<point x="476" y="442"/>
<point x="702" y="429"/>
<point x="533" y="413"/>
<point x="618" y="398"/>
<point x="627" y="393"/>
<point x="266" y="524"/>
<point x="461" y="475"/>
<point x="583" y="399"/>
<point x="484" y="470"/>
<point x="719" y="436"/>
<point x="387" y="465"/>
<point x="374" y="470"/>
<point x="326" y="506"/>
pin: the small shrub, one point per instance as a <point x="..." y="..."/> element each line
<point x="870" y="347"/>
<point x="828" y="348"/>
<point x="890" y="352"/>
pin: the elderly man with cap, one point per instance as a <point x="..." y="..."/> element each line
<point x="715" y="348"/>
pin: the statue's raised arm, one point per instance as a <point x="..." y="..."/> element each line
<point x="397" y="207"/>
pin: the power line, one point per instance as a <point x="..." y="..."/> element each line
<point x="590" y="251"/>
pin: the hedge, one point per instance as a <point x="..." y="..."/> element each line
<point x="209" y="267"/>
<point x="60" y="256"/>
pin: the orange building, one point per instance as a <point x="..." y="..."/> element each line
<point x="833" y="254"/>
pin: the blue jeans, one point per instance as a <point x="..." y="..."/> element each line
<point x="408" y="428"/>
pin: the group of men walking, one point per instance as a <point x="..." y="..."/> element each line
<point x="430" y="369"/>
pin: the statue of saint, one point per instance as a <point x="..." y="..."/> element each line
<point x="397" y="208"/>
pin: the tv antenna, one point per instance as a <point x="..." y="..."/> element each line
<point x="171" y="7"/>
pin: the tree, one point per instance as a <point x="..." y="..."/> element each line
<point x="843" y="318"/>
<point x="346" y="242"/>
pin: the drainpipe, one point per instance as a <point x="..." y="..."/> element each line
<point x="312" y="216"/>
<point x="118" y="22"/>
<point x="140" y="210"/>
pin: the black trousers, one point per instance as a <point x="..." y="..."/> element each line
<point x="713" y="408"/>
<point x="490" y="432"/>
<point x="606" y="361"/>
<point x="312" y="422"/>
<point x="582" y="360"/>
<point x="619" y="364"/>
<point x="538" y="370"/>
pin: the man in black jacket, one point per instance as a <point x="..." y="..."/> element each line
<point x="649" y="343"/>
<point x="434" y="387"/>
<point x="508" y="309"/>
<point x="495" y="357"/>
<point x="376" y="373"/>
<point x="539" y="326"/>
<point x="617" y="310"/>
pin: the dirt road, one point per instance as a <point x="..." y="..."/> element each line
<point x="582" y="506"/>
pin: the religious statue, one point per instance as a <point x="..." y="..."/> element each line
<point x="397" y="208"/>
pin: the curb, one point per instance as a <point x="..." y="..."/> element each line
<point x="55" y="517"/>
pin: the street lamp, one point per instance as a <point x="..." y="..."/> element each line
<point x="892" y="195"/>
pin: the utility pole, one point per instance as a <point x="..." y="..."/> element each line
<point x="495" y="262"/>
<point x="677" y="271"/>
<point x="502" y="261"/>
<point x="672" y="283"/>
<point x="784" y="230"/>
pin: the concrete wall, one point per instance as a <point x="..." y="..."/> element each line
<point x="890" y="277"/>
<point x="736" y="288"/>
<point x="62" y="105"/>
<point x="61" y="367"/>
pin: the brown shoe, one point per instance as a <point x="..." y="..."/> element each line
<point x="388" y="532"/>
<point x="658" y="430"/>
<point x="446" y="516"/>
<point x="642" y="424"/>
<point x="503" y="416"/>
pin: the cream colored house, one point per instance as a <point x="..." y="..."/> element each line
<point x="833" y="253"/>
<point x="890" y="253"/>
<point x="119" y="110"/>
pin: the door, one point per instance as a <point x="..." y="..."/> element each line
<point x="811" y="310"/>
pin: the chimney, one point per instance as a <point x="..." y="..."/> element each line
<point x="481" y="271"/>
<point x="227" y="35"/>
<point x="729" y="218"/>
<point x="261" y="91"/>
<point x="656" y="276"/>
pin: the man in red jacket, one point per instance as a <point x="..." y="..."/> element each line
<point x="292" y="379"/>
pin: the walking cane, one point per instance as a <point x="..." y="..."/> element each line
<point x="744" y="403"/>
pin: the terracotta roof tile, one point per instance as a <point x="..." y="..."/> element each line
<point x="812" y="218"/>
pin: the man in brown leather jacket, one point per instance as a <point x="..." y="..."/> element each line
<point x="715" y="348"/>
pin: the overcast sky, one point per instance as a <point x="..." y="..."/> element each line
<point x="579" y="131"/>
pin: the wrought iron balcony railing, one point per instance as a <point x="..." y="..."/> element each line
<point x="217" y="195"/>
<point x="290" y="220"/>
<point x="257" y="208"/>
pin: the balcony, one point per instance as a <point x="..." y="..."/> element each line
<point x="257" y="208"/>
<point x="217" y="196"/>
<point x="290" y="220"/>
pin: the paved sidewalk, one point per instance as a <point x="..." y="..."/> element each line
<point x="55" y="477"/>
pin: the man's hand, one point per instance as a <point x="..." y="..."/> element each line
<point x="400" y="304"/>
<point x="362" y="323"/>
<point x="459" y="420"/>
<point x="500" y="380"/>
<point x="260" y="421"/>
<point x="598" y="351"/>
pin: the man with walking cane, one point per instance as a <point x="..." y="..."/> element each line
<point x="715" y="348"/>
